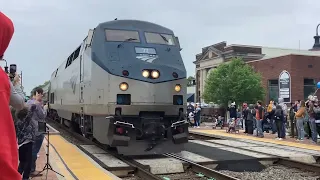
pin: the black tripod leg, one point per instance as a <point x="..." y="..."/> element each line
<point x="48" y="165"/>
<point x="50" y="168"/>
<point x="47" y="174"/>
<point x="56" y="172"/>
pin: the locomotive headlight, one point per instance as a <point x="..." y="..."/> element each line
<point x="123" y="86"/>
<point x="145" y="73"/>
<point x="155" y="74"/>
<point x="177" y="88"/>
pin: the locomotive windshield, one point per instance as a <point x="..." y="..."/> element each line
<point x="122" y="35"/>
<point x="156" y="38"/>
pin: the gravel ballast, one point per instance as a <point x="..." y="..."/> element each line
<point x="276" y="172"/>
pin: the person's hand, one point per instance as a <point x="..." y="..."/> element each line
<point x="16" y="79"/>
<point x="45" y="107"/>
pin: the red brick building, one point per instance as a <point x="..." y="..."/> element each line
<point x="304" y="74"/>
<point x="302" y="65"/>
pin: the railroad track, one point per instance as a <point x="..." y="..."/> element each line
<point x="141" y="170"/>
<point x="278" y="160"/>
<point x="202" y="169"/>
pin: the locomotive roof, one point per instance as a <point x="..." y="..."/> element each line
<point x="135" y="25"/>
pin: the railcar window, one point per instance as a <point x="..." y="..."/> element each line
<point x="51" y="99"/>
<point x="156" y="38"/>
<point x="76" y="53"/>
<point x="73" y="56"/>
<point x="56" y="73"/>
<point x="122" y="35"/>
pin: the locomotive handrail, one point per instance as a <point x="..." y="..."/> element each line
<point x="178" y="122"/>
<point x="120" y="122"/>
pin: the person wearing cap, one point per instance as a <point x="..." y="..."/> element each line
<point x="8" y="96"/>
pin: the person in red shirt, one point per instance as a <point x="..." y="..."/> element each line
<point x="8" y="142"/>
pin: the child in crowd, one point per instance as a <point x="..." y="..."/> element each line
<point x="25" y="131"/>
<point x="191" y="118"/>
<point x="232" y="125"/>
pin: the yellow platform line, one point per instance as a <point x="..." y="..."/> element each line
<point x="77" y="162"/>
<point x="238" y="136"/>
<point x="58" y="163"/>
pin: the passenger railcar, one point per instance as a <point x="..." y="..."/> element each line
<point x="124" y="86"/>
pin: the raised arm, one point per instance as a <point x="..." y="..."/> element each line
<point x="16" y="99"/>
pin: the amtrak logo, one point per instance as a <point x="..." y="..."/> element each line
<point x="73" y="82"/>
<point x="147" y="57"/>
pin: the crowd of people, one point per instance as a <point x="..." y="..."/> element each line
<point x="274" y="118"/>
<point x="258" y="119"/>
<point x="20" y="137"/>
<point x="301" y="120"/>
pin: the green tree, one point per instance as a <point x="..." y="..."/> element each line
<point x="190" y="81"/>
<point x="234" y="81"/>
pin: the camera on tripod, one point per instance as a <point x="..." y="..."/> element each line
<point x="12" y="71"/>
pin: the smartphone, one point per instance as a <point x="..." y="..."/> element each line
<point x="13" y="68"/>
<point x="12" y="71"/>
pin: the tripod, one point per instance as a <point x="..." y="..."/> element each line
<point x="48" y="166"/>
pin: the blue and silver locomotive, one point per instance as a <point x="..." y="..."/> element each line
<point x="124" y="86"/>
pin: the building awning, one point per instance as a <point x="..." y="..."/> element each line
<point x="190" y="97"/>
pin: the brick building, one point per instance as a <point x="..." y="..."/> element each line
<point x="303" y="69"/>
<point x="302" y="65"/>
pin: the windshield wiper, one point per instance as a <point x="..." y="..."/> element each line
<point x="164" y="38"/>
<point x="126" y="40"/>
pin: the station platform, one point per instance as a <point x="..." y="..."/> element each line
<point x="268" y="138"/>
<point x="68" y="160"/>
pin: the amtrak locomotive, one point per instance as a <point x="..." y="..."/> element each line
<point x="124" y="86"/>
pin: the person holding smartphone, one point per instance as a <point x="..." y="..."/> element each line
<point x="38" y="117"/>
<point x="8" y="96"/>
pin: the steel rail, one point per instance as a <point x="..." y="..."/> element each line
<point x="278" y="159"/>
<point x="202" y="169"/>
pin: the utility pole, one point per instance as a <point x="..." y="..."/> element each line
<point x="21" y="78"/>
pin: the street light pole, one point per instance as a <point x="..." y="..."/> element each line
<point x="21" y="78"/>
<point x="316" y="45"/>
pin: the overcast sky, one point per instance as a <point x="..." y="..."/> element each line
<point x="46" y="32"/>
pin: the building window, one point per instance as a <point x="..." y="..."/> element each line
<point x="308" y="87"/>
<point x="273" y="89"/>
